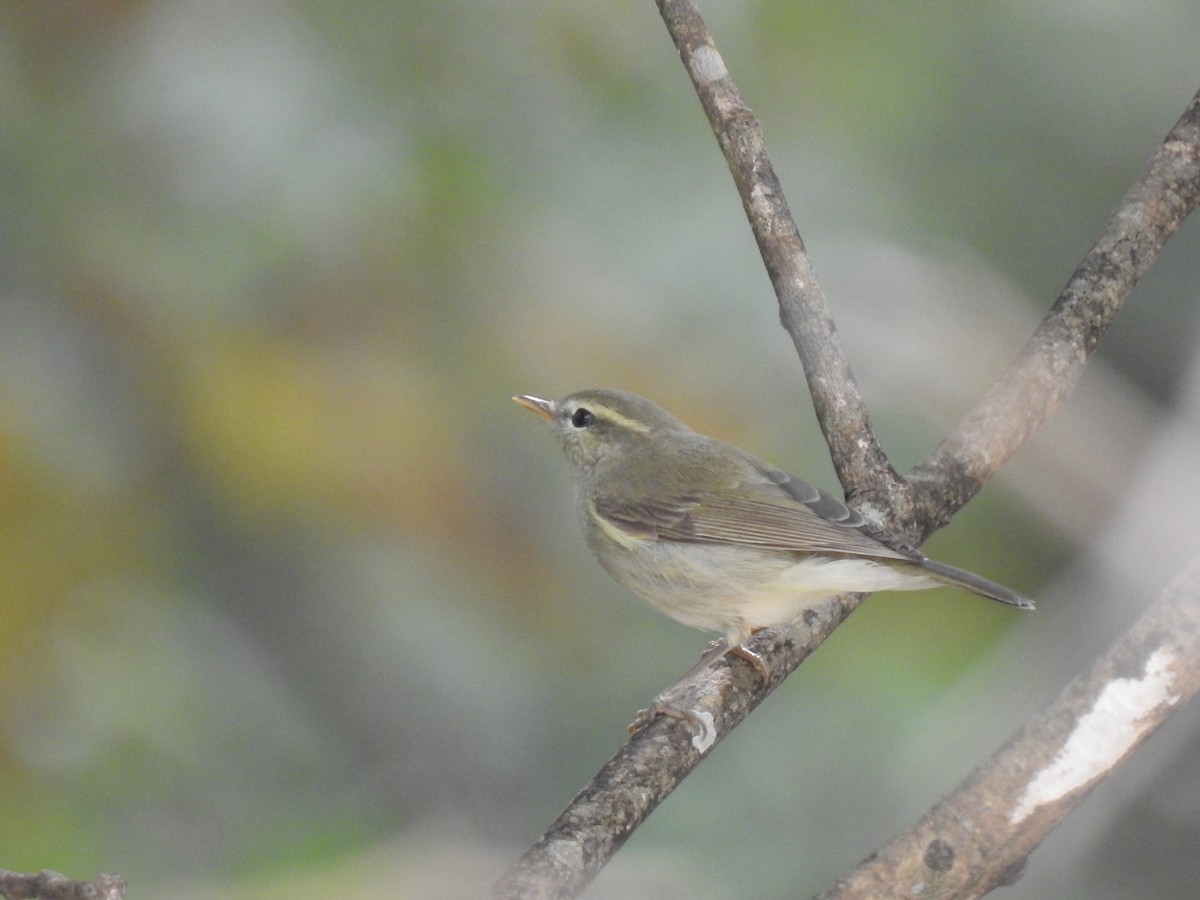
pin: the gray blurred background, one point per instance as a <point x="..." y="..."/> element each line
<point x="292" y="596"/>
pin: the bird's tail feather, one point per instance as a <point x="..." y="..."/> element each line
<point x="976" y="584"/>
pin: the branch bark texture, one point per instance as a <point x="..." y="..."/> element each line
<point x="47" y="885"/>
<point x="978" y="838"/>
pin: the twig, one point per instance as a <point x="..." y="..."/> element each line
<point x="47" y="885"/>
<point x="977" y="838"/>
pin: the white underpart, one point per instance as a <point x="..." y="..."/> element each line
<point x="1102" y="736"/>
<point x="705" y="586"/>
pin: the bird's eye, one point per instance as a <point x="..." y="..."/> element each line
<point x="583" y="418"/>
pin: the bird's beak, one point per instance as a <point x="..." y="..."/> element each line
<point x="537" y="406"/>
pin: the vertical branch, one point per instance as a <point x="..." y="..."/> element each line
<point x="861" y="464"/>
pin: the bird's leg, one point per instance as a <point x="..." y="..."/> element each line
<point x="721" y="647"/>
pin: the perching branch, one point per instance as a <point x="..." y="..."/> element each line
<point x="655" y="759"/>
<point x="660" y="755"/>
<point x="978" y="837"/>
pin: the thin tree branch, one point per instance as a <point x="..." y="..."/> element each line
<point x="655" y="759"/>
<point x="660" y="755"/>
<point x="47" y="885"/>
<point x="978" y="837"/>
<point x="1051" y="362"/>
<point x="861" y="464"/>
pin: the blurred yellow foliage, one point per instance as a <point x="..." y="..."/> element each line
<point x="55" y="539"/>
<point x="286" y="426"/>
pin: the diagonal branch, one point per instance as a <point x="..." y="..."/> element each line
<point x="654" y="760"/>
<point x="659" y="756"/>
<point x="1051" y="362"/>
<point x="978" y="838"/>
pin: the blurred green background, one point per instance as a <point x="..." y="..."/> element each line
<point x="292" y="596"/>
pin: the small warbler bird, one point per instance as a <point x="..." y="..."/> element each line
<point x="715" y="537"/>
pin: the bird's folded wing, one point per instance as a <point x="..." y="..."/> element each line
<point x="770" y="516"/>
